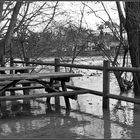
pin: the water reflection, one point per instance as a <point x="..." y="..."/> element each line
<point x="58" y="121"/>
<point x="117" y="122"/>
<point x="87" y="119"/>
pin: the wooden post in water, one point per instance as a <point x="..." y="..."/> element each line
<point x="11" y="72"/>
<point x="11" y="63"/>
<point x="26" y="103"/>
<point x="27" y="64"/>
<point x="106" y="84"/>
<point x="57" y="69"/>
<point x="11" y="58"/>
<point x="57" y="62"/>
<point x="26" y="91"/>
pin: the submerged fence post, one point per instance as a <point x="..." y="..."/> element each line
<point x="57" y="69"/>
<point x="106" y="84"/>
<point x="26" y="91"/>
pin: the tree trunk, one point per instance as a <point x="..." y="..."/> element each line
<point x="1" y="10"/>
<point x="133" y="32"/>
<point x="1" y="41"/>
<point x="12" y="24"/>
<point x="4" y="43"/>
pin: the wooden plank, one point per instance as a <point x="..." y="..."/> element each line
<point x="79" y="88"/>
<point x="26" y="87"/>
<point x="67" y="102"/>
<point x="106" y="84"/>
<point x="3" y="83"/>
<point x="57" y="69"/>
<point x="51" y="63"/>
<point x="26" y="76"/>
<point x="50" y="90"/>
<point x="124" y="98"/>
<point x="16" y="68"/>
<point x="112" y="96"/>
<point x="42" y="95"/>
<point x="127" y="69"/>
<point x="65" y="65"/>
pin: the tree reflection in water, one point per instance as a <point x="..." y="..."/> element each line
<point x="45" y="121"/>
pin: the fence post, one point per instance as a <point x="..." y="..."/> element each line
<point x="57" y="69"/>
<point x="106" y="84"/>
<point x="26" y="91"/>
<point x="26" y="62"/>
<point x="11" y="64"/>
<point x="11" y="72"/>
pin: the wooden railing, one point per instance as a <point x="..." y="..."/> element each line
<point x="106" y="68"/>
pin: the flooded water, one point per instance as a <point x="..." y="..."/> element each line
<point x="86" y="119"/>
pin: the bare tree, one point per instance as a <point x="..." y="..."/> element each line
<point x="131" y="23"/>
<point x="26" y="16"/>
<point x="101" y="45"/>
<point x="7" y="39"/>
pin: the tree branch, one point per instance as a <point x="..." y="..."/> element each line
<point x="121" y="16"/>
<point x="54" y="11"/>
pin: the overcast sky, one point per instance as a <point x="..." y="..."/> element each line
<point x="72" y="12"/>
<point x="89" y="18"/>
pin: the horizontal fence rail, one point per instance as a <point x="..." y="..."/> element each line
<point x="128" y="99"/>
<point x="106" y="68"/>
<point x="64" y="65"/>
<point x="37" y="63"/>
<point x="128" y="69"/>
<point x="42" y="95"/>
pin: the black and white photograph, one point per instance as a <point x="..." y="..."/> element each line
<point x="69" y="69"/>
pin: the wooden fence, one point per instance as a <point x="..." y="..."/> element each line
<point x="106" y="68"/>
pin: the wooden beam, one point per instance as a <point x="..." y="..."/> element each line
<point x="90" y="91"/>
<point x="27" y="87"/>
<point x="56" y="69"/>
<point x="42" y="95"/>
<point x="3" y="83"/>
<point x="16" y="68"/>
<point x="65" y="65"/>
<point x="64" y="88"/>
<point x="112" y="96"/>
<point x="122" y="98"/>
<point x="27" y="76"/>
<point x="106" y="84"/>
<point x="127" y="69"/>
